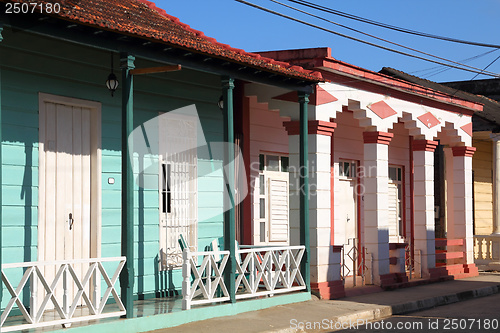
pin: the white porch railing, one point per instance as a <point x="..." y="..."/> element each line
<point x="486" y="249"/>
<point x="83" y="283"/>
<point x="203" y="283"/>
<point x="260" y="271"/>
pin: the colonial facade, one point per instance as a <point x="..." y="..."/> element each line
<point x="485" y="162"/>
<point x="390" y="174"/>
<point x="113" y="197"/>
<point x="132" y="202"/>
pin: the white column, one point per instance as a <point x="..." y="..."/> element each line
<point x="424" y="235"/>
<point x="462" y="200"/>
<point x="323" y="267"/>
<point x="375" y="181"/>
<point x="496" y="183"/>
<point x="319" y="140"/>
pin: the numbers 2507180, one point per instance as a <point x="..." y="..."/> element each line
<point x="28" y="8"/>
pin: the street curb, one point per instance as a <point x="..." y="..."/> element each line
<point x="385" y="311"/>
<point x="433" y="302"/>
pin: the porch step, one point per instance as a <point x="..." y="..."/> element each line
<point x="448" y="270"/>
<point x="393" y="279"/>
<point x="418" y="282"/>
<point x="356" y="291"/>
<point x="442" y="242"/>
<point x="445" y="255"/>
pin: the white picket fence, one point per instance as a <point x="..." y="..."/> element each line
<point x="260" y="271"/>
<point x="72" y="285"/>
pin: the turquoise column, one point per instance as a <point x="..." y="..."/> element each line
<point x="304" y="186"/>
<point x="229" y="212"/>
<point x="1" y="202"/>
<point x="127" y="248"/>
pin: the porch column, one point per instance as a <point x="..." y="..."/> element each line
<point x="460" y="227"/>
<point x="304" y="188"/>
<point x="495" y="137"/>
<point x="322" y="262"/>
<point x="375" y="181"/>
<point x="424" y="237"/>
<point x="127" y="246"/>
<point x="1" y="161"/>
<point x="229" y="204"/>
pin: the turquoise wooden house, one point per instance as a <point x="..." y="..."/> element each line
<point x="94" y="227"/>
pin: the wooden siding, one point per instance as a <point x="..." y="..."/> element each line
<point x="482" y="163"/>
<point x="75" y="71"/>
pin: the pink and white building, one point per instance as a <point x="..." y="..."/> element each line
<point x="390" y="167"/>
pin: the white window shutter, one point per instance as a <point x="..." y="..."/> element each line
<point x="278" y="210"/>
<point x="392" y="213"/>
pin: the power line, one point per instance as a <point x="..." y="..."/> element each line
<point x="485" y="68"/>
<point x="373" y="36"/>
<point x="363" y="41"/>
<point x="461" y="61"/>
<point x="433" y="71"/>
<point x="388" y="26"/>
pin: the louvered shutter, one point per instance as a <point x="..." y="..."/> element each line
<point x="392" y="214"/>
<point x="278" y="210"/>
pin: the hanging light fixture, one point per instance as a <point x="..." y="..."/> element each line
<point x="220" y="103"/>
<point x="112" y="81"/>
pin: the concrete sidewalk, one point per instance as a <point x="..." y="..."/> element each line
<point x="297" y="317"/>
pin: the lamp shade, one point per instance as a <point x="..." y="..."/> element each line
<point x="112" y="83"/>
<point x="220" y="103"/>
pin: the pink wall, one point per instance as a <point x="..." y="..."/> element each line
<point x="267" y="135"/>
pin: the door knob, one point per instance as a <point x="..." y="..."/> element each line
<point x="70" y="221"/>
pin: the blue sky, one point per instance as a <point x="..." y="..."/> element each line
<point x="247" y="28"/>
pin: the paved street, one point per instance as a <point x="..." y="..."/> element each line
<point x="466" y="299"/>
<point x="477" y="315"/>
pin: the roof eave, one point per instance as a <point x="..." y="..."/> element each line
<point x="161" y="52"/>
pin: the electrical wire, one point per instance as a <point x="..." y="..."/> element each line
<point x="388" y="26"/>
<point x="439" y="69"/>
<point x="363" y="41"/>
<point x="432" y="69"/>
<point x="491" y="63"/>
<point x="375" y="37"/>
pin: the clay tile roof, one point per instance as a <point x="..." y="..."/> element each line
<point x="142" y="18"/>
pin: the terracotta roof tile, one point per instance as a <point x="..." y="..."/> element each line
<point x="144" y="19"/>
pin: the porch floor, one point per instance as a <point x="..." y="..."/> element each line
<point x="142" y="308"/>
<point x="163" y="306"/>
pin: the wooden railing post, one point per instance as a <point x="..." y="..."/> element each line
<point x="33" y="294"/>
<point x="186" y="280"/>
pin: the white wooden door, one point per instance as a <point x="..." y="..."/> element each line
<point x="348" y="216"/>
<point x="65" y="185"/>
<point x="278" y="209"/>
